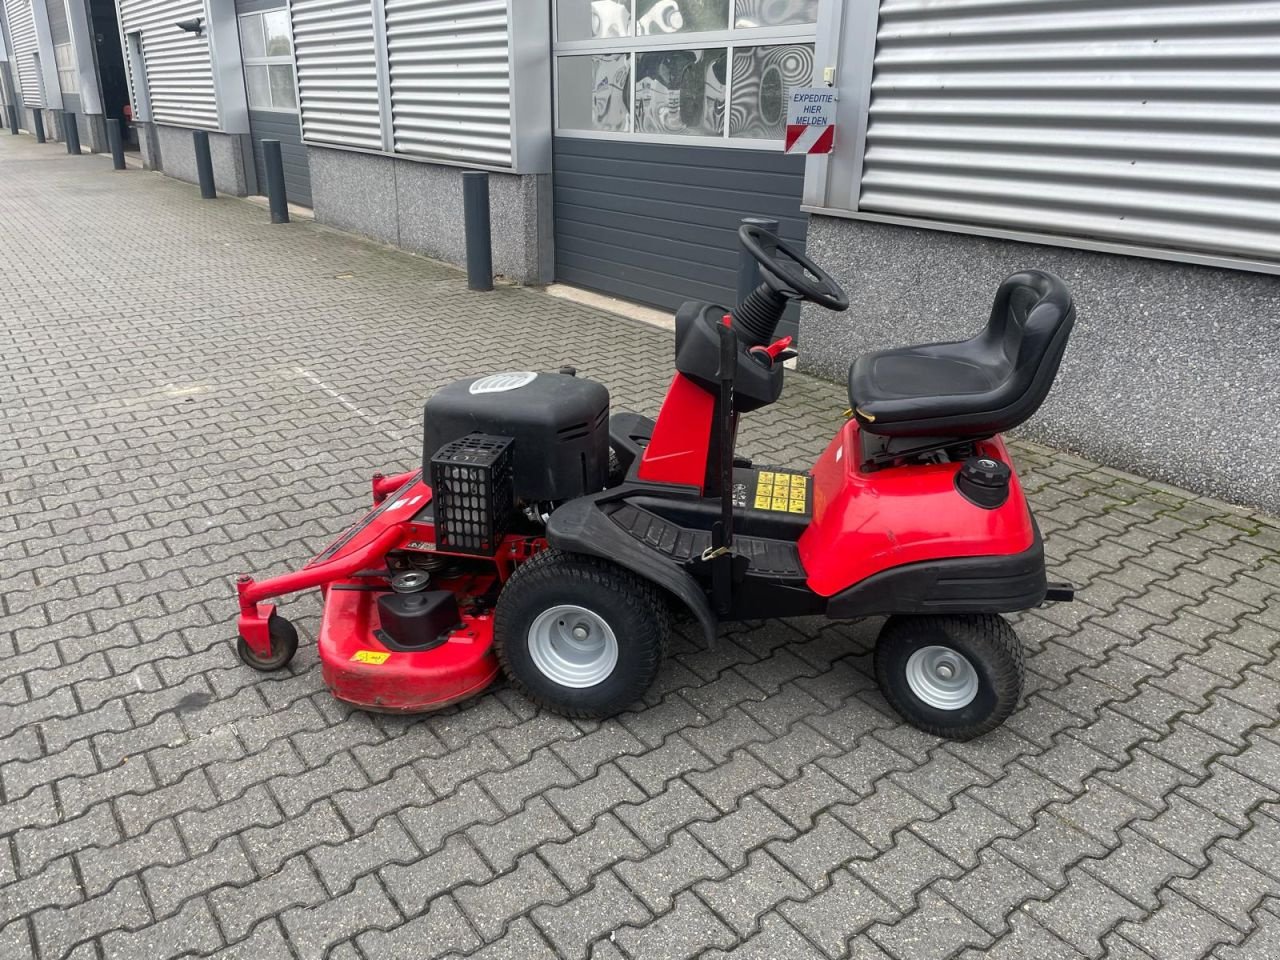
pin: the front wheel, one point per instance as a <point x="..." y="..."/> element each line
<point x="952" y="676"/>
<point x="579" y="635"/>
<point x="284" y="644"/>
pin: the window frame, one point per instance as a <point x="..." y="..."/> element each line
<point x="69" y="72"/>
<point x="268" y="61"/>
<point x="728" y="40"/>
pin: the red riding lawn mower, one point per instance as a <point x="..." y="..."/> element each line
<point x="550" y="540"/>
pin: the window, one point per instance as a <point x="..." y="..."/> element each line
<point x="266" y="47"/>
<point x="64" y="55"/>
<point x="662" y="69"/>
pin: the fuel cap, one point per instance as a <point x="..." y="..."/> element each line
<point x="984" y="481"/>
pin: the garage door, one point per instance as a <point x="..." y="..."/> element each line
<point x="657" y="223"/>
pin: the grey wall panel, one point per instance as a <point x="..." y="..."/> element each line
<point x="179" y="72"/>
<point x="59" y="30"/>
<point x="657" y="223"/>
<point x="273" y="125"/>
<point x="450" y="79"/>
<point x="258" y="6"/>
<point x="335" y="50"/>
<point x="22" y="38"/>
<point x="1153" y="123"/>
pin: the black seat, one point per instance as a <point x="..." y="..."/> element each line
<point x="974" y="388"/>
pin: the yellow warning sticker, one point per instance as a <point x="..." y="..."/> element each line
<point x="781" y="492"/>
<point x="374" y="657"/>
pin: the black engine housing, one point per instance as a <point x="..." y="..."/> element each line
<point x="559" y="425"/>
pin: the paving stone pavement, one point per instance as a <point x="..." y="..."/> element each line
<point x="190" y="393"/>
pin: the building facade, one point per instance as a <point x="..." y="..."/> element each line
<point x="1131" y="148"/>
<point x="63" y="58"/>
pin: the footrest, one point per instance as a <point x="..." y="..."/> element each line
<point x="778" y="559"/>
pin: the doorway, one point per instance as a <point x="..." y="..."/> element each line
<point x="266" y="49"/>
<point x="109" y="57"/>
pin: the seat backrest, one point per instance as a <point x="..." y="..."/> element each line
<point x="1030" y="321"/>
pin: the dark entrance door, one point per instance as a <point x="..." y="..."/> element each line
<point x="110" y="59"/>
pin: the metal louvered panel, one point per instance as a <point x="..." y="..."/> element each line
<point x="179" y="75"/>
<point x="22" y="36"/>
<point x="1151" y="122"/>
<point x="450" y="79"/>
<point x="333" y="43"/>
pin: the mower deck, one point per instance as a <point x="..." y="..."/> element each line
<point x="364" y="667"/>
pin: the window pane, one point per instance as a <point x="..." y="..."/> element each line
<point x="258" y="87"/>
<point x="251" y="42"/>
<point x="584" y="19"/>
<point x="656" y="17"/>
<point x="595" y="92"/>
<point x="763" y="78"/>
<point x="775" y="13"/>
<point x="276" y="26"/>
<point x="680" y="91"/>
<point x="282" y="95"/>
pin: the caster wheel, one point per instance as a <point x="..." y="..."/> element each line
<point x="284" y="644"/>
<point x="579" y="635"/>
<point x="952" y="676"/>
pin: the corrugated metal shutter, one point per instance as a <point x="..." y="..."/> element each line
<point x="450" y="79"/>
<point x="58" y="28"/>
<point x="337" y="79"/>
<point x="179" y="75"/>
<point x="1145" y="122"/>
<point x="22" y="36"/>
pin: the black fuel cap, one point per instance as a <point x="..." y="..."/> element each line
<point x="984" y="482"/>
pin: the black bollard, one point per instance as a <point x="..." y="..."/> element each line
<point x="116" y="144"/>
<point x="748" y="269"/>
<point x="204" y="164"/>
<point x="13" y="119"/>
<point x="38" y="117"/>
<point x="475" y="214"/>
<point x="71" y="133"/>
<point x="277" y="196"/>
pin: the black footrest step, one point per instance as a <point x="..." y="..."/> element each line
<point x="769" y="558"/>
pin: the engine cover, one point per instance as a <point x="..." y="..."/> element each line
<point x="559" y="426"/>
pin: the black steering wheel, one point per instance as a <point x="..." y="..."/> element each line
<point x="789" y="272"/>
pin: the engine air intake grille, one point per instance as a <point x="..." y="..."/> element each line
<point x="473" y="499"/>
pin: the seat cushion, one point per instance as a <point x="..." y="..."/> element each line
<point x="970" y="388"/>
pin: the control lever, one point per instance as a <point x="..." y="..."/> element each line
<point x="775" y="352"/>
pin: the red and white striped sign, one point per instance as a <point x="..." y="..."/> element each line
<point x="809" y="138"/>
<point x="811" y="120"/>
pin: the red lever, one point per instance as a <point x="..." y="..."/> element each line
<point x="777" y="347"/>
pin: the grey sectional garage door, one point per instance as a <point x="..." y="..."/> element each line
<point x="657" y="224"/>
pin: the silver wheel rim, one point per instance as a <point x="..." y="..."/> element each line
<point x="573" y="646"/>
<point x="942" y="677"/>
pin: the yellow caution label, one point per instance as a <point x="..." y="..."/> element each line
<point x="781" y="492"/>
<point x="374" y="657"/>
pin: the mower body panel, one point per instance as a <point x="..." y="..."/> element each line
<point x="867" y="522"/>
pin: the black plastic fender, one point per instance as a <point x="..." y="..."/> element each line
<point x="580" y="527"/>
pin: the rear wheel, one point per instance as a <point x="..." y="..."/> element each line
<point x="952" y="676"/>
<point x="579" y="635"/>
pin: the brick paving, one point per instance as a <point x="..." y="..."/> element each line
<point x="190" y="393"/>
